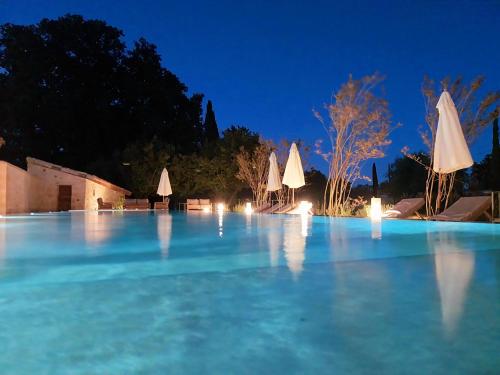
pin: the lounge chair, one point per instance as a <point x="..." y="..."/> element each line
<point x="136" y="204"/>
<point x="285" y="208"/>
<point x="198" y="204"/>
<point x="161" y="205"/>
<point x="101" y="205"/>
<point x="272" y="208"/>
<point x="262" y="207"/>
<point x="466" y="209"/>
<point x="405" y="208"/>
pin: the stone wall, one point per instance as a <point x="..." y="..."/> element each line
<point x="37" y="189"/>
<point x="3" y="187"/>
<point x="48" y="192"/>
<point x="95" y="191"/>
<point x="14" y="189"/>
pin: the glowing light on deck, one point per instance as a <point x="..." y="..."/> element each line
<point x="376" y="209"/>
<point x="305" y="207"/>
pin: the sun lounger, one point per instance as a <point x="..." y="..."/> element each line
<point x="405" y="208"/>
<point x="161" y="205"/>
<point x="284" y="209"/>
<point x="198" y="204"/>
<point x="262" y="208"/>
<point x="272" y="209"/>
<point x="465" y="209"/>
<point x="136" y="204"/>
<point x="101" y="205"/>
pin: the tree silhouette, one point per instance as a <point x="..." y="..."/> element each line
<point x="495" y="158"/>
<point x="406" y="179"/>
<point x="71" y="93"/>
<point x="211" y="131"/>
<point x="374" y="180"/>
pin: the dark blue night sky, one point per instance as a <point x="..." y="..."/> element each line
<point x="267" y="64"/>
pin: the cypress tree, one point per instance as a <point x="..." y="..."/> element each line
<point x="495" y="158"/>
<point x="210" y="125"/>
<point x="374" y="180"/>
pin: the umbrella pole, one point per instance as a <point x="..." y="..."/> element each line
<point x="293" y="197"/>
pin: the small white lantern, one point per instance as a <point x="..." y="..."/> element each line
<point x="220" y="207"/>
<point x="376" y="209"/>
<point x="248" y="208"/>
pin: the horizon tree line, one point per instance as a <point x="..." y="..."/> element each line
<point x="72" y="93"/>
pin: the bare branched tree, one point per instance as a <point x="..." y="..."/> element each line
<point x="474" y="114"/>
<point x="253" y="169"/>
<point x="358" y="127"/>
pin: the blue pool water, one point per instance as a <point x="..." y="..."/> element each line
<point x="139" y="292"/>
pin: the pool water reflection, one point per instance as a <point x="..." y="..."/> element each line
<point x="145" y="292"/>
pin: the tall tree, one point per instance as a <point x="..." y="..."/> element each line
<point x="495" y="157"/>
<point x="374" y="180"/>
<point x="406" y="179"/>
<point x="59" y="82"/>
<point x="253" y="169"/>
<point x="474" y="113"/>
<point x="357" y="128"/>
<point x="211" y="131"/>
<point x="71" y="93"/>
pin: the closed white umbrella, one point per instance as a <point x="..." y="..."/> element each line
<point x="273" y="179"/>
<point x="294" y="174"/>
<point x="450" y="150"/>
<point x="164" y="188"/>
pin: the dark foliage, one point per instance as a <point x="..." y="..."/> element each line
<point x="494" y="170"/>
<point x="485" y="175"/>
<point x="406" y="178"/>
<point x="210" y="129"/>
<point x="314" y="189"/>
<point x="71" y="93"/>
<point x="212" y="173"/>
<point x="374" y="180"/>
<point x="479" y="178"/>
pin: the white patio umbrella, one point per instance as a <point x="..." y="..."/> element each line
<point x="273" y="179"/>
<point x="164" y="188"/>
<point x="450" y="150"/>
<point x="294" y="174"/>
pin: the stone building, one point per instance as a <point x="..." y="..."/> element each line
<point x="46" y="187"/>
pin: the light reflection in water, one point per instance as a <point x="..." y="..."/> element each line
<point x="97" y="227"/>
<point x="273" y="241"/>
<point x="220" y="215"/>
<point x="248" y="222"/>
<point x="294" y="243"/>
<point x="164" y="228"/>
<point x="454" y="269"/>
<point x="376" y="225"/>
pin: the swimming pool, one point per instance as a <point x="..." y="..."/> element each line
<point x="139" y="292"/>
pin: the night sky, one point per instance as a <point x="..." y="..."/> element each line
<point x="267" y="64"/>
